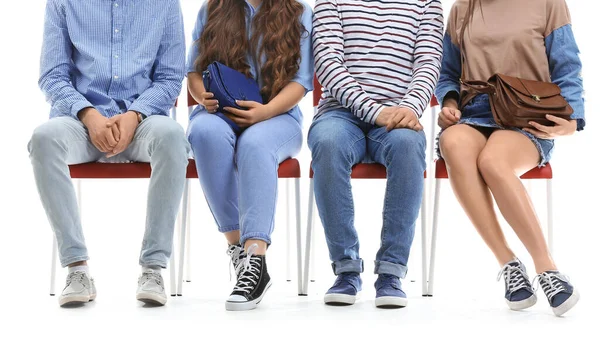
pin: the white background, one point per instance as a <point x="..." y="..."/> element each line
<point x="467" y="311"/>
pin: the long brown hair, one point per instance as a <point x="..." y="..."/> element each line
<point x="277" y="31"/>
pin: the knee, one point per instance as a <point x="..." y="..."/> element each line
<point x="490" y="166"/>
<point x="44" y="140"/>
<point x="208" y="130"/>
<point x="170" y="138"/>
<point x="452" y="144"/>
<point x="329" y="147"/>
<point x="404" y="143"/>
<point x="254" y="148"/>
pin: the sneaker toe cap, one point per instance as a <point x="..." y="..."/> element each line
<point x="237" y="298"/>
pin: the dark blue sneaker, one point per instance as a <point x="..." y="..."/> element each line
<point x="345" y="289"/>
<point x="561" y="295"/>
<point x="389" y="292"/>
<point x="519" y="293"/>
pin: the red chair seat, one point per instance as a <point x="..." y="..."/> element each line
<point x="290" y="168"/>
<point x="534" y="174"/>
<point x="366" y="171"/>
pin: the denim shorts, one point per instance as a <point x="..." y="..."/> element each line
<point x="478" y="113"/>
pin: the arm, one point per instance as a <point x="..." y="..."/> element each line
<point x="56" y="65"/>
<point x="168" y="69"/>
<point x="447" y="90"/>
<point x="427" y="59"/>
<point x="328" y="45"/>
<point x="565" y="70"/>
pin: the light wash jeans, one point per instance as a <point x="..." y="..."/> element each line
<point x="239" y="173"/>
<point x="338" y="140"/>
<point x="64" y="141"/>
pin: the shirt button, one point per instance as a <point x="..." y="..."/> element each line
<point x="116" y="5"/>
<point x="116" y="31"/>
<point x="116" y="56"/>
<point x="116" y="77"/>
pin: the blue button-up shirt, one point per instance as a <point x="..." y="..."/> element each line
<point x="113" y="55"/>
<point x="305" y="73"/>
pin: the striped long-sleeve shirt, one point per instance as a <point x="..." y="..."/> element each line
<point x="378" y="53"/>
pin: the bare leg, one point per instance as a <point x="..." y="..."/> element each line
<point x="506" y="156"/>
<point x="460" y="147"/>
<point x="84" y="262"/>
<point x="233" y="237"/>
<point x="262" y="246"/>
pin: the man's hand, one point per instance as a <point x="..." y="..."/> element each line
<point x="256" y="113"/>
<point x="103" y="137"/>
<point x="126" y="124"/>
<point x="562" y="127"/>
<point x="211" y="105"/>
<point x="404" y="118"/>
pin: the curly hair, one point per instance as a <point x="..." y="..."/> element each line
<point x="276" y="35"/>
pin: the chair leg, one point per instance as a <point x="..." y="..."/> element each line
<point x="550" y="215"/>
<point x="424" y="243"/>
<point x="184" y="216"/>
<point x="188" y="243"/>
<point x="434" y="229"/>
<point x="298" y="235"/>
<point x="172" y="272"/>
<point x="288" y="232"/>
<point x="309" y="231"/>
<point x="53" y="264"/>
<point x="313" y="271"/>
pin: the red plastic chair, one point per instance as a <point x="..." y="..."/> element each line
<point x="359" y="171"/>
<point x="544" y="173"/>
<point x="95" y="170"/>
<point x="288" y="169"/>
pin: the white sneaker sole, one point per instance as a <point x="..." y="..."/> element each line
<point x="151" y="298"/>
<point x="249" y="305"/>
<point x="65" y="301"/>
<point x="524" y="304"/>
<point x="391" y="302"/>
<point x="567" y="305"/>
<point x="340" y="299"/>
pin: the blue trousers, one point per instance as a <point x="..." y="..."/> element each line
<point x="338" y="140"/>
<point x="238" y="174"/>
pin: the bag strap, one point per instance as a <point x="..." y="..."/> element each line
<point x="477" y="86"/>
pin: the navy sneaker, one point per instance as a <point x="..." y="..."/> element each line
<point x="561" y="295"/>
<point x="345" y="289"/>
<point x="389" y="292"/>
<point x="519" y="292"/>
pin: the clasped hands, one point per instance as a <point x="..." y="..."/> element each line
<point x="111" y="136"/>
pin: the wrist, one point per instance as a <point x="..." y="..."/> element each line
<point x="139" y="117"/>
<point x="87" y="114"/>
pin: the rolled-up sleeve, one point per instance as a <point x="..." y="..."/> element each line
<point x="194" y="48"/>
<point x="305" y="73"/>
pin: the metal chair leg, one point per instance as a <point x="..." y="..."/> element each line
<point x="172" y="272"/>
<point x="184" y="219"/>
<point x="298" y="235"/>
<point x="436" y="207"/>
<point x="188" y="246"/>
<point x="550" y="215"/>
<point x="309" y="231"/>
<point x="53" y="265"/>
<point x="288" y="232"/>
<point x="424" y="243"/>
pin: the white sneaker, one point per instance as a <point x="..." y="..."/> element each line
<point x="151" y="288"/>
<point x="79" y="289"/>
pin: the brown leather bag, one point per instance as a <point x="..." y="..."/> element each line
<point x="514" y="101"/>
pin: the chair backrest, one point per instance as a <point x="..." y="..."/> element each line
<point x="190" y="99"/>
<point x="317" y="92"/>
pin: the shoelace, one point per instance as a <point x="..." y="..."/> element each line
<point x="76" y="277"/>
<point x="236" y="253"/>
<point x="514" y="277"/>
<point x="551" y="283"/>
<point x="249" y="271"/>
<point x="151" y="276"/>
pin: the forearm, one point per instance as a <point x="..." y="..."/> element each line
<point x="287" y="99"/>
<point x="195" y="86"/>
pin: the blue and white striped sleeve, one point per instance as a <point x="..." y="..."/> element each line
<point x="168" y="70"/>
<point x="56" y="65"/>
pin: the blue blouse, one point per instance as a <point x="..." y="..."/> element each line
<point x="305" y="74"/>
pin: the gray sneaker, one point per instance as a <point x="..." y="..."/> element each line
<point x="151" y="288"/>
<point x="79" y="289"/>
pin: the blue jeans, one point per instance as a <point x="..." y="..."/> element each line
<point x="64" y="141"/>
<point x="338" y="140"/>
<point x="239" y="173"/>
